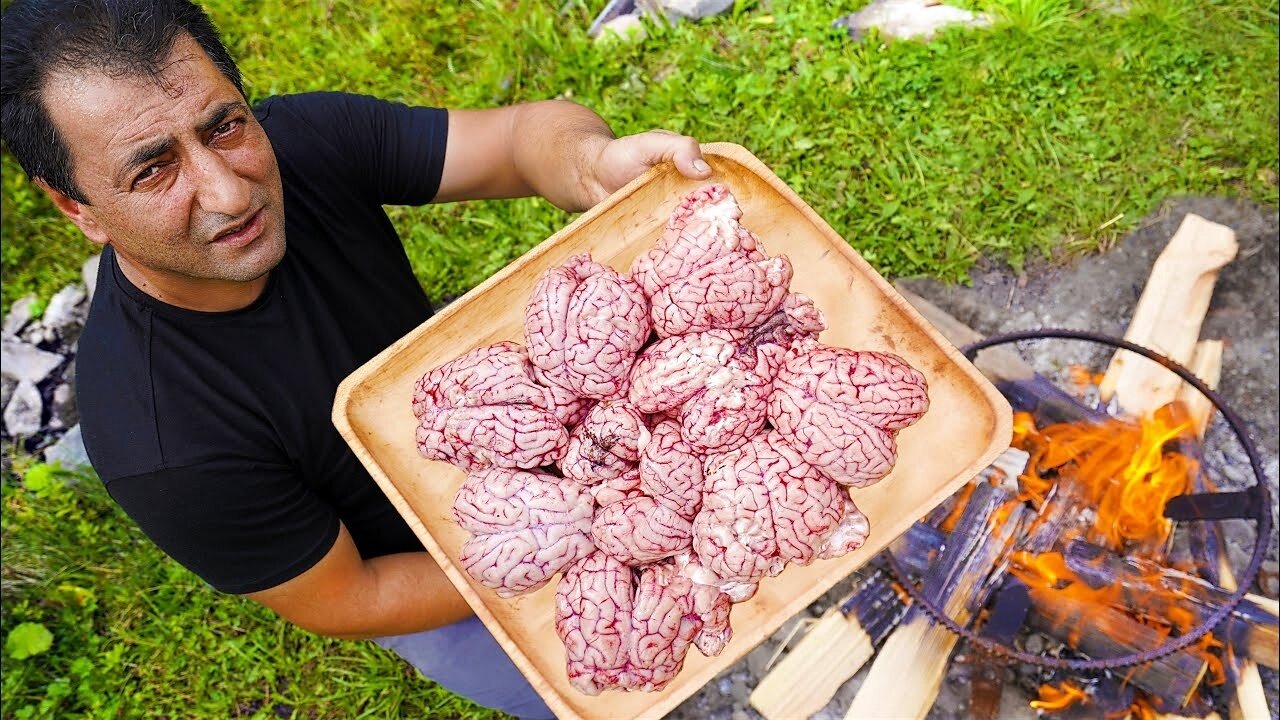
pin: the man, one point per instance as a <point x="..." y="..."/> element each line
<point x="207" y="367"/>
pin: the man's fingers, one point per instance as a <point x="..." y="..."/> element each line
<point x="687" y="156"/>
<point x="684" y="151"/>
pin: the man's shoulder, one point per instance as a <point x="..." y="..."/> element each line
<point x="114" y="386"/>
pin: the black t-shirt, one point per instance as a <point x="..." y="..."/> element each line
<point x="212" y="430"/>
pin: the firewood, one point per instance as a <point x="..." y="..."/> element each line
<point x="1103" y="632"/>
<point x="1206" y="364"/>
<point x="832" y="651"/>
<point x="1169" y="314"/>
<point x="1146" y="589"/>
<point x="905" y="678"/>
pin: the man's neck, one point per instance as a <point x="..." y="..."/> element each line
<point x="199" y="294"/>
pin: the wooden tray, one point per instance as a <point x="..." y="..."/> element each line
<point x="967" y="425"/>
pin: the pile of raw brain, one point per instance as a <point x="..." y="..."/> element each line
<point x="664" y="440"/>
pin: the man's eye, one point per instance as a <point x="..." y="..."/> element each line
<point x="147" y="173"/>
<point x="225" y="128"/>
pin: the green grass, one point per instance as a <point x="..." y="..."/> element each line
<point x="1001" y="146"/>
<point x="136" y="635"/>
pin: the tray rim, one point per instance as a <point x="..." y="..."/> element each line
<point x="347" y="389"/>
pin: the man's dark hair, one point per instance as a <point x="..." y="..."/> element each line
<point x="117" y="37"/>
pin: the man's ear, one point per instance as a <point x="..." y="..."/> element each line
<point x="77" y="212"/>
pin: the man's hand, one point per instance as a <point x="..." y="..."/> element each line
<point x="555" y="148"/>
<point x="626" y="158"/>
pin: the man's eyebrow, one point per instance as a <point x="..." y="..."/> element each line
<point x="147" y="153"/>
<point x="220" y="114"/>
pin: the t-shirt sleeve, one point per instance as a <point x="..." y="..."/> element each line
<point x="257" y="532"/>
<point x="390" y="149"/>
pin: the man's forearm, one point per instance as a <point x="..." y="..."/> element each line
<point x="555" y="145"/>
<point x="404" y="593"/>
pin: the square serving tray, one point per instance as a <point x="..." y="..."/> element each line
<point x="968" y="424"/>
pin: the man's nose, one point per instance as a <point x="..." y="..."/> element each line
<point x="219" y="188"/>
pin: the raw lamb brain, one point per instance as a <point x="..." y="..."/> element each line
<point x="720" y="380"/>
<point x="607" y="443"/>
<point x="639" y="530"/>
<point x="583" y="325"/>
<point x="840" y="408"/>
<point x="764" y="506"/>
<point x="627" y="635"/>
<point x="525" y="527"/>
<point x="671" y="471"/>
<point x="707" y="271"/>
<point x="485" y="409"/>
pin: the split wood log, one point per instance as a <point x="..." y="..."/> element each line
<point x="1024" y="388"/>
<point x="1206" y="364"/>
<point x="1103" y="632"/>
<point x="832" y="651"/>
<point x="1169" y="314"/>
<point x="1146" y="589"/>
<point x="905" y="678"/>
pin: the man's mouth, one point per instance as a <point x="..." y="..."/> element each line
<point x="241" y="234"/>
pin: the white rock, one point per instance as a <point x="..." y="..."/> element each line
<point x="26" y="363"/>
<point x="22" y="416"/>
<point x="624" y="27"/>
<point x="695" y="9"/>
<point x="65" y="313"/>
<point x="62" y="410"/>
<point x="90" y="274"/>
<point x="19" y="315"/>
<point x="7" y="386"/>
<point x="908" y="19"/>
<point x="69" y="451"/>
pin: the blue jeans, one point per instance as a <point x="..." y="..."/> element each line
<point x="465" y="658"/>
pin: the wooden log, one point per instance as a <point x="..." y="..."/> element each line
<point x="1169" y="314"/>
<point x="1206" y="364"/>
<point x="1146" y="589"/>
<point x="907" y="673"/>
<point x="1103" y="632"/>
<point x="832" y="651"/>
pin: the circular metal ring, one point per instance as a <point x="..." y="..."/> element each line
<point x="1263" y="520"/>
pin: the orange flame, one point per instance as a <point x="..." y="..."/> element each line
<point x="1124" y="469"/>
<point x="1053" y="699"/>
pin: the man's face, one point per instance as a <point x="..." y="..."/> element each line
<point x="179" y="176"/>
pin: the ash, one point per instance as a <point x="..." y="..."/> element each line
<point x="1097" y="293"/>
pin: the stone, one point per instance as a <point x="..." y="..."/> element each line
<point x="19" y="315"/>
<point x="65" y="313"/>
<point x="26" y="363"/>
<point x="69" y="451"/>
<point x="694" y="9"/>
<point x="23" y="414"/>
<point x="90" y="274"/>
<point x="63" y="413"/>
<point x="909" y="19"/>
<point x="627" y="28"/>
<point x="7" y="386"/>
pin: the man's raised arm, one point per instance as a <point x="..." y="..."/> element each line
<point x="554" y="148"/>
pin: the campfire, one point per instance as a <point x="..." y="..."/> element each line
<point x="1062" y="555"/>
